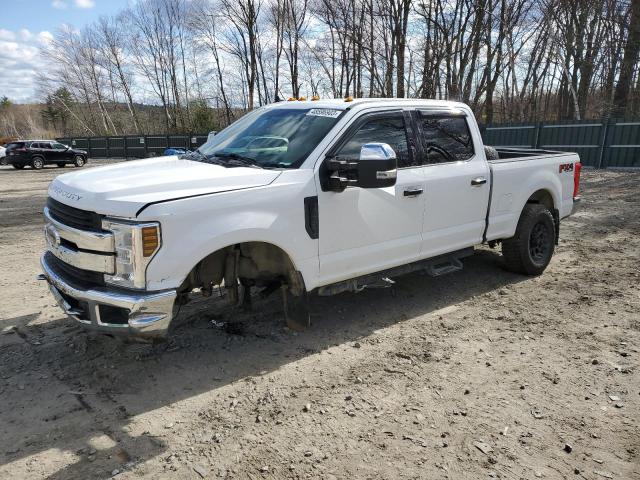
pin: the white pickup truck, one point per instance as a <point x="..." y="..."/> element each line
<point x="296" y="197"/>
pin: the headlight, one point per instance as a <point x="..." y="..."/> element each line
<point x="136" y="244"/>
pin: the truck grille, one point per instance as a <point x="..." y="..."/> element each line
<point x="74" y="217"/>
<point x="73" y="274"/>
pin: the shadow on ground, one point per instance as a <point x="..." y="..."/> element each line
<point x="65" y="387"/>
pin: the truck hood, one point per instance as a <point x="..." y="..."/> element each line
<point x="123" y="189"/>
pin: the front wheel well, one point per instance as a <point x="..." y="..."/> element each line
<point x="250" y="263"/>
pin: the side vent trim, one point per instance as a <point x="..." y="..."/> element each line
<point x="311" y="217"/>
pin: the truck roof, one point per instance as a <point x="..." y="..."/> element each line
<point x="342" y="104"/>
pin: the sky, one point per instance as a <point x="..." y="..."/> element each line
<point x="27" y="25"/>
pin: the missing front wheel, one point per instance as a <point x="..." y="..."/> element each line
<point x="296" y="309"/>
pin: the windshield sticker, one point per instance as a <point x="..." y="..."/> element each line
<point x="324" y="112"/>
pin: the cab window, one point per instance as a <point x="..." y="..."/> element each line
<point x="380" y="129"/>
<point x="446" y="138"/>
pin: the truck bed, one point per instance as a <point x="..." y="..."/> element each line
<point x="519" y="172"/>
<point x="520" y="154"/>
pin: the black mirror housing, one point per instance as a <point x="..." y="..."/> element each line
<point x="377" y="166"/>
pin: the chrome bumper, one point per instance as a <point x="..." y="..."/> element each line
<point x="144" y="315"/>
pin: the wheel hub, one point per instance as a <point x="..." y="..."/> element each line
<point x="539" y="242"/>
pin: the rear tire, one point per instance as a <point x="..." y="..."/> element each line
<point x="17" y="167"/>
<point x="37" y="163"/>
<point x="60" y="164"/>
<point x="79" y="161"/>
<point x="530" y="250"/>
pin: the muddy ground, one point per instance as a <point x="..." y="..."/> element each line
<point x="478" y="374"/>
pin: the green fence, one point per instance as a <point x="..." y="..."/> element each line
<point x="600" y="144"/>
<point x="133" y="146"/>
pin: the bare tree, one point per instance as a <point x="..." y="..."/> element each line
<point x="243" y="37"/>
<point x="630" y="60"/>
<point x="162" y="63"/>
<point x="294" y="26"/>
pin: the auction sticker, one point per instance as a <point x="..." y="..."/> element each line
<point x="324" y="112"/>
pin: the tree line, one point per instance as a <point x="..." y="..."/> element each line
<point x="196" y="65"/>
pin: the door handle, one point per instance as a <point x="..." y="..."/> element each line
<point x="414" y="192"/>
<point x="478" y="181"/>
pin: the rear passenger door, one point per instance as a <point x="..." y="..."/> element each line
<point x="47" y="151"/>
<point x="457" y="182"/>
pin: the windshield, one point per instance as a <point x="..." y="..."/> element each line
<point x="269" y="138"/>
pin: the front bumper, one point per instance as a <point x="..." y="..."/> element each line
<point x="143" y="315"/>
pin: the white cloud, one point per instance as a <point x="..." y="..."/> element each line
<point x="20" y="62"/>
<point x="25" y="35"/>
<point x="45" y="37"/>
<point x="59" y="4"/>
<point x="7" y="35"/>
<point x="85" y="3"/>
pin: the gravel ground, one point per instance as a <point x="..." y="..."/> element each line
<point x="478" y="374"/>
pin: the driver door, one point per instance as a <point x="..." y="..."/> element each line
<point x="364" y="230"/>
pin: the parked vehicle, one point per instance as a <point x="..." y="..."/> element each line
<point x="175" y="151"/>
<point x="38" y="153"/>
<point x="211" y="135"/>
<point x="362" y="191"/>
<point x="3" y="155"/>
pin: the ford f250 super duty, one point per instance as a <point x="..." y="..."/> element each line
<point x="295" y="197"/>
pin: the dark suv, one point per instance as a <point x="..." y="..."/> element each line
<point x="38" y="153"/>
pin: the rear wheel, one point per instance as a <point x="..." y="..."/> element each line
<point x="530" y="250"/>
<point x="17" y="167"/>
<point x="78" y="161"/>
<point x="37" y="163"/>
<point x="60" y="164"/>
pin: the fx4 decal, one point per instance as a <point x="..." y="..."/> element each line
<point x="566" y="167"/>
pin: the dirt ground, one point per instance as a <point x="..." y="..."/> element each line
<point x="478" y="374"/>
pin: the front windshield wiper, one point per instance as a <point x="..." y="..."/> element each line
<point x="242" y="159"/>
<point x="198" y="153"/>
<point x="276" y="165"/>
<point x="200" y="157"/>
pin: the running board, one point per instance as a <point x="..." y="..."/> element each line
<point x="436" y="266"/>
<point x="449" y="265"/>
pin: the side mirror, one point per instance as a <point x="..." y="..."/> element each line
<point x="377" y="166"/>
